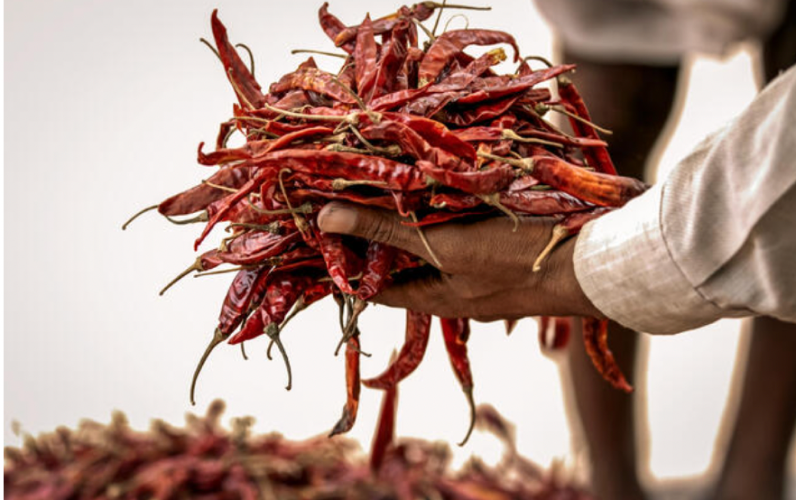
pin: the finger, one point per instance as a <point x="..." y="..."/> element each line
<point x="426" y="295"/>
<point x="371" y="224"/>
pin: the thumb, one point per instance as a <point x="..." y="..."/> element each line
<point x="371" y="224"/>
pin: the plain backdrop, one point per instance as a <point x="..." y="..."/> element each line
<point x="106" y="102"/>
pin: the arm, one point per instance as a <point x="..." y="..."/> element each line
<point x="714" y="240"/>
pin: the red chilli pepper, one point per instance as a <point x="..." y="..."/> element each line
<point x="413" y="144"/>
<point x="435" y="133"/>
<point x="233" y="312"/>
<point x="599" y="158"/>
<point x="468" y="116"/>
<point x="256" y="149"/>
<point x="312" y="79"/>
<point x="333" y="26"/>
<point x="199" y="197"/>
<point x="385" y="429"/>
<point x="303" y="194"/>
<point x="450" y="43"/>
<point x="346" y="421"/>
<point x="461" y="79"/>
<point x="440" y="217"/>
<point x="396" y="99"/>
<point x="394" y="50"/>
<point x="249" y="93"/>
<point x="253" y="247"/>
<point x="376" y="270"/>
<point x="455" y="334"/>
<point x="365" y="57"/>
<point x="519" y="84"/>
<point x="601" y="189"/>
<point x="238" y="299"/>
<point x="595" y="341"/>
<point x="350" y="166"/>
<point x="342" y="263"/>
<point x="554" y="332"/>
<point x="416" y="337"/>
<point x="476" y="182"/>
<point x="385" y="24"/>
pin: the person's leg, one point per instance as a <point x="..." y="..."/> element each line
<point x="634" y="102"/>
<point x="755" y="463"/>
<point x="778" y="50"/>
<point x="756" y="455"/>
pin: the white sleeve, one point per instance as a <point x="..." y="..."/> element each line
<point x="715" y="239"/>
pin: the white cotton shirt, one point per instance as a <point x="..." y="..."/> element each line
<point x="658" y="31"/>
<point x="715" y="239"/>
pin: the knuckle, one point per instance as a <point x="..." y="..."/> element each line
<point x="379" y="228"/>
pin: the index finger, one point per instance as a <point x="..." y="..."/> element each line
<point x="374" y="224"/>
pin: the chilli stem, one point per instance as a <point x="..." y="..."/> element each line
<point x="196" y="266"/>
<point x="273" y="333"/>
<point x="251" y="57"/>
<point x="469" y="395"/>
<point x="557" y="235"/>
<point x="218" y="337"/>
<point x="135" y="216"/>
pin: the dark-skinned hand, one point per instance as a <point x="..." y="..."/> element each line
<point x="485" y="269"/>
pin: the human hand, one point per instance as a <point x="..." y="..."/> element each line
<point x="485" y="270"/>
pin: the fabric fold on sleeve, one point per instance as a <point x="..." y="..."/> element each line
<point x="624" y="267"/>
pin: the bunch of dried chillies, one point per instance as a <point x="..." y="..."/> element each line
<point x="204" y="461"/>
<point x="425" y="130"/>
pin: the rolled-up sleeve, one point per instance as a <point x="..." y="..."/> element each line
<point x="715" y="239"/>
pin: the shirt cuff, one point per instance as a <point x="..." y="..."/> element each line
<point x="625" y="268"/>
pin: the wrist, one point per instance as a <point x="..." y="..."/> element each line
<point x="572" y="295"/>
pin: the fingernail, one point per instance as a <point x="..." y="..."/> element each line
<point x="337" y="218"/>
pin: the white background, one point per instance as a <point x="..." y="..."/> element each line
<point x="106" y="102"/>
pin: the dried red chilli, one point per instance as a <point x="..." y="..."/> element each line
<point x="461" y="79"/>
<point x="386" y="201"/>
<point x="595" y="333"/>
<point x="350" y="166"/>
<point x="449" y="44"/>
<point x="385" y="428"/>
<point x="332" y="26"/>
<point x="199" y="197"/>
<point x="245" y="86"/>
<point x="342" y="263"/>
<point x="554" y="332"/>
<point x="594" y="187"/>
<point x="233" y="311"/>
<point x="497" y="134"/>
<point x="376" y="269"/>
<point x="365" y="54"/>
<point x="349" y="415"/>
<point x="392" y="55"/>
<point x="598" y="158"/>
<point x="416" y="338"/>
<point x="433" y="134"/>
<point x="486" y="181"/>
<point x="208" y="460"/>
<point x="441" y="217"/>
<point x="387" y="23"/>
<point x="456" y="332"/>
<point x="315" y="80"/>
<point x="412" y="144"/>
<point x="255" y="149"/>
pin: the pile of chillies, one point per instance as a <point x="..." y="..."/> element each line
<point x="205" y="461"/>
<point x="427" y="131"/>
